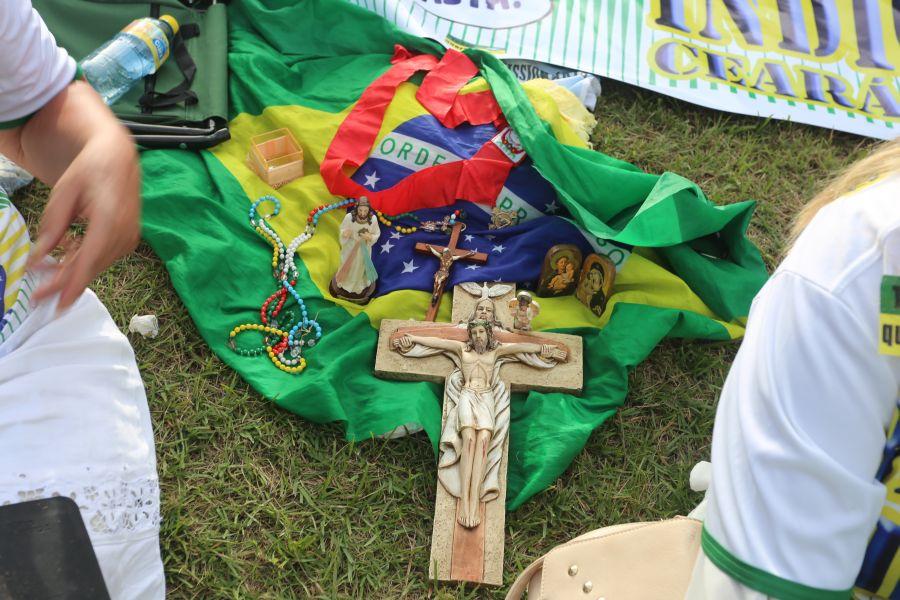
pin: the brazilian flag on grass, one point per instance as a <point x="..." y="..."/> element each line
<point x="685" y="268"/>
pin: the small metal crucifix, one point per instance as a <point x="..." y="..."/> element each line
<point x="447" y="255"/>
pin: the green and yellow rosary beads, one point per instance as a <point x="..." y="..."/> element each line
<point x="284" y="335"/>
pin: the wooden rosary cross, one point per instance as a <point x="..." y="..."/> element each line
<point x="480" y="360"/>
<point x="447" y="255"/>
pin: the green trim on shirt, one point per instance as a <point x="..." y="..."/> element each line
<point x="761" y="581"/>
<point x="15" y="122"/>
<point x="79" y="74"/>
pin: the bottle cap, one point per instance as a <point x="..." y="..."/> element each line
<point x="171" y="21"/>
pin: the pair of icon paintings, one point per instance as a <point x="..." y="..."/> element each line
<point x="564" y="272"/>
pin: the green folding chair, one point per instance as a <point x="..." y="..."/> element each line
<point x="183" y="105"/>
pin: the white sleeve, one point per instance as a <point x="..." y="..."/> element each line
<point x="33" y="69"/>
<point x="797" y="440"/>
<point x="708" y="582"/>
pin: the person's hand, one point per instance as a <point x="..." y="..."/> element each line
<point x="75" y="145"/>
<point x="102" y="186"/>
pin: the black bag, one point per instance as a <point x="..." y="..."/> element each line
<point x="45" y="552"/>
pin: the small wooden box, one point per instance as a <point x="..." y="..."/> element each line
<point x="276" y="157"/>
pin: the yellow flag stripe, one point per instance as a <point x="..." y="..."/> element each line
<point x="641" y="279"/>
<point x="314" y="129"/>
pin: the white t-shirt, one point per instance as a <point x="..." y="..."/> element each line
<point x="33" y="69"/>
<point x="801" y="425"/>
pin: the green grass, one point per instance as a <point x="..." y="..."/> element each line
<point x="258" y="503"/>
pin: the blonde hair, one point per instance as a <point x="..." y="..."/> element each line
<point x="883" y="161"/>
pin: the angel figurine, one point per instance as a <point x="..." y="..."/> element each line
<point x="523" y="308"/>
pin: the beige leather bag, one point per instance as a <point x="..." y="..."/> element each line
<point x="635" y="561"/>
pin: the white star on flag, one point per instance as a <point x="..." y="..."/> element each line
<point x="386" y="247"/>
<point x="473" y="267"/>
<point x="409" y="267"/>
<point x="372" y="179"/>
<point x="499" y="249"/>
<point x="552" y="207"/>
<point x="468" y="238"/>
<point x="395" y="235"/>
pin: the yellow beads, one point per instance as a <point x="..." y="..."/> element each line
<point x="387" y="222"/>
<point x="300" y="366"/>
<point x="255" y="327"/>
<point x="272" y="242"/>
<point x="265" y="234"/>
<point x="269" y="351"/>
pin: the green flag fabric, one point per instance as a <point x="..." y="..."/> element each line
<point x="685" y="267"/>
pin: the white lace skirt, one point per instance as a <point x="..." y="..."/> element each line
<point x="74" y="422"/>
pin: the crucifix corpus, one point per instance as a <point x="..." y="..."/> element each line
<point x="447" y="255"/>
<point x="480" y="361"/>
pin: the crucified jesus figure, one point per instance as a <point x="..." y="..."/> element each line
<point x="447" y="258"/>
<point x="478" y="418"/>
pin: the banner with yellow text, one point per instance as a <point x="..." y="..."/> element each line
<point x="831" y="63"/>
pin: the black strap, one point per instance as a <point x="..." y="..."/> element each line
<point x="181" y="93"/>
<point x="150" y="80"/>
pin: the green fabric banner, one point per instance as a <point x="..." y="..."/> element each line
<point x="302" y="64"/>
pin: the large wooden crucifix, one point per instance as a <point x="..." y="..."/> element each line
<point x="447" y="255"/>
<point x="480" y="361"/>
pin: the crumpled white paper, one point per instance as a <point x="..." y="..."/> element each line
<point x="146" y="325"/>
<point x="701" y="475"/>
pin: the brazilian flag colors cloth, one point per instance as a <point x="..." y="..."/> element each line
<point x="685" y="267"/>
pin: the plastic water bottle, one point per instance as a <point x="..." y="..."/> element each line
<point x="135" y="52"/>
